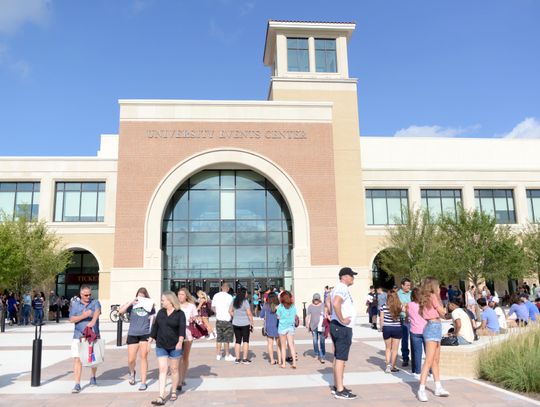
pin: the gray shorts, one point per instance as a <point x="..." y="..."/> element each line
<point x="224" y="331"/>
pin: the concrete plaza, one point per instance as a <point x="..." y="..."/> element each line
<point x="212" y="382"/>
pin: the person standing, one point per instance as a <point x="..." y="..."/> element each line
<point x="404" y="294"/>
<point x="220" y="304"/>
<point x="84" y="313"/>
<point x="286" y="313"/>
<point x="431" y="310"/>
<point x="256" y="303"/>
<point x="390" y="322"/>
<point x="37" y="304"/>
<point x="372" y="303"/>
<point x="204" y="308"/>
<point x="314" y="322"/>
<point x="268" y="313"/>
<point x="242" y="322"/>
<point x="342" y="321"/>
<point x="26" y="308"/>
<point x="470" y="299"/>
<point x="417" y="332"/>
<point x="169" y="331"/>
<point x="187" y="305"/>
<point x="141" y="311"/>
<point x="12" y="308"/>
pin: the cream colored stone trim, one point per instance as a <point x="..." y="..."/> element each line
<point x="227" y="158"/>
<point x="225" y="111"/>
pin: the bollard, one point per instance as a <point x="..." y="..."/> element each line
<point x="119" y="332"/>
<point x="36" y="358"/>
<point x="3" y="321"/>
<point x="304" y="312"/>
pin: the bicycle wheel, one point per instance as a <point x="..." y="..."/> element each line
<point x="114" y="315"/>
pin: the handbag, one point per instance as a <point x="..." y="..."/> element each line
<point x="449" y="341"/>
<point x="92" y="354"/>
<point x="197" y="329"/>
<point x="296" y="321"/>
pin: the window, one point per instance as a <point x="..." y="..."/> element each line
<point x="227" y="224"/>
<point x="297" y="55"/>
<point x="498" y="203"/>
<point x="440" y="201"/>
<point x="325" y="55"/>
<point x="386" y="206"/>
<point x="79" y="202"/>
<point x="19" y="199"/>
<point x="533" y="202"/>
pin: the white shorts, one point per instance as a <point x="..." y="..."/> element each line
<point x="75" y="348"/>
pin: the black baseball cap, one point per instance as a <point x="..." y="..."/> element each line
<point x="347" y="271"/>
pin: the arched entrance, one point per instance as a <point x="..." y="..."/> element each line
<point x="84" y="269"/>
<point x="226" y="225"/>
<point x="380" y="277"/>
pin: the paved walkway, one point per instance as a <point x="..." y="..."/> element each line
<point x="217" y="383"/>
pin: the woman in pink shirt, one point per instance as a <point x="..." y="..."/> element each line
<point x="431" y="310"/>
<point x="417" y="331"/>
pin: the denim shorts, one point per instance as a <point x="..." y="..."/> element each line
<point x="433" y="331"/>
<point x="169" y="353"/>
<point x="287" y="331"/>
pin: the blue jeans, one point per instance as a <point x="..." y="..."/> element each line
<point x="38" y="316"/>
<point x="26" y="314"/>
<point x="405" y="328"/>
<point x="318" y="344"/>
<point x="417" y="343"/>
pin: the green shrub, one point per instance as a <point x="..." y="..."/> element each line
<point x="515" y="362"/>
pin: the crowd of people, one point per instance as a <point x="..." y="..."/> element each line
<point x="413" y="316"/>
<point x="409" y="318"/>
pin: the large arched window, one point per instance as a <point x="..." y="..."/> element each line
<point x="226" y="225"/>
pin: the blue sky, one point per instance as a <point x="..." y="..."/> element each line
<point x="454" y="68"/>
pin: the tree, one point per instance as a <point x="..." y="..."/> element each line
<point x="415" y="249"/>
<point x="531" y="244"/>
<point x="479" y="249"/>
<point x="30" y="255"/>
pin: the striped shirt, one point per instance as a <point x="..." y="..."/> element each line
<point x="388" y="321"/>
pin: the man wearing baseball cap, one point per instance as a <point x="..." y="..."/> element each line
<point x="343" y="317"/>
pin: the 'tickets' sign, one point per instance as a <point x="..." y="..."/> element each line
<point x="82" y="278"/>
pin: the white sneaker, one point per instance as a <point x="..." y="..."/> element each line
<point x="416" y="376"/>
<point x="218" y="357"/>
<point x="209" y="337"/>
<point x="388" y="369"/>
<point x="422" y="396"/>
<point x="230" y="358"/>
<point x="440" y="392"/>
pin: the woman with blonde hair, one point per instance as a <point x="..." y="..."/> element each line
<point x="169" y="332"/>
<point x="203" y="309"/>
<point x="187" y="305"/>
<point x="431" y="310"/>
<point x="391" y="328"/>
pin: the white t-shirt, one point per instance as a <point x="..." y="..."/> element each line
<point x="501" y="317"/>
<point x="347" y="306"/>
<point x="222" y="302"/>
<point x="466" y="330"/>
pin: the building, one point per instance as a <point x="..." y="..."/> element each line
<point x="281" y="192"/>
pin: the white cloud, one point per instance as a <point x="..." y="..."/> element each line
<point x="432" y="131"/>
<point x="16" y="13"/>
<point x="528" y="128"/>
<point x="18" y="66"/>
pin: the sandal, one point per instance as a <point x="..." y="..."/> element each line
<point x="132" y="378"/>
<point x="158" y="402"/>
<point x="273" y="362"/>
<point x="293" y="367"/>
<point x="174" y="396"/>
<point x="282" y="366"/>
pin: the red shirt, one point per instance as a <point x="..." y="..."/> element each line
<point x="444" y="293"/>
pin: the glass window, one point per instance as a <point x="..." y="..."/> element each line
<point x="19" y="199"/>
<point x="325" y="55"/>
<point x="498" y="203"/>
<point x="533" y="202"/>
<point x="386" y="206"/>
<point x="297" y="55"/>
<point x="221" y="230"/>
<point x="80" y="202"/>
<point x="440" y="201"/>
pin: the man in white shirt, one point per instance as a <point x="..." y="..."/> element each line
<point x="343" y="318"/>
<point x="221" y="304"/>
<point x="463" y="327"/>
